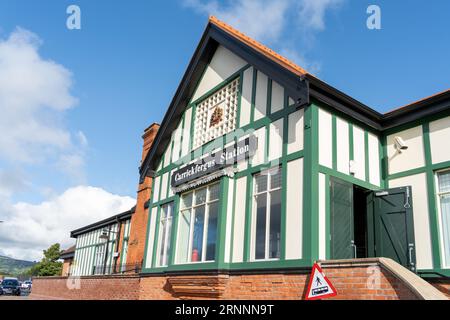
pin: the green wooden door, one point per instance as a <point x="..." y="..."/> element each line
<point x="391" y="226"/>
<point x="341" y="220"/>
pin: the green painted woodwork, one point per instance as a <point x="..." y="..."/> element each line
<point x="222" y="223"/>
<point x="393" y="226"/>
<point x="311" y="169"/>
<point x="432" y="206"/>
<point x="341" y="219"/>
<point x="334" y="141"/>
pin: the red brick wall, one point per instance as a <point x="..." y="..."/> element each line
<point x="66" y="267"/>
<point x="267" y="287"/>
<point x="363" y="283"/>
<point x="354" y="283"/>
<point x="87" y="288"/>
<point x="442" y="285"/>
<point x="138" y="228"/>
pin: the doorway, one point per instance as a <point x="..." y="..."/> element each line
<point x="348" y="220"/>
<point x="367" y="223"/>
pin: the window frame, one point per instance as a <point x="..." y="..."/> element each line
<point x="269" y="190"/>
<point x="167" y="235"/>
<point x="192" y="213"/>
<point x="444" y="264"/>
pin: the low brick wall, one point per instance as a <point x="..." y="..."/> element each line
<point x="86" y="288"/>
<point x="274" y="286"/>
<point x="353" y="280"/>
<point x="367" y="283"/>
<point x="442" y="285"/>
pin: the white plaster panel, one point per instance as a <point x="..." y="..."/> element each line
<point x="407" y="159"/>
<point x="322" y="216"/>
<point x="261" y="95"/>
<point x="239" y="220"/>
<point x="440" y="140"/>
<point x="325" y="139"/>
<point x="295" y="131"/>
<point x="359" y="153"/>
<point x="276" y="140"/>
<point x="246" y="97"/>
<point x="223" y="65"/>
<point x="294" y="209"/>
<point x="277" y="102"/>
<point x="374" y="159"/>
<point x="343" y="148"/>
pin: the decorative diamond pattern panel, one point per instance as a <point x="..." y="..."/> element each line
<point x="216" y="115"/>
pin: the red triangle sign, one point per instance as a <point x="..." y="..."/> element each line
<point x="319" y="286"/>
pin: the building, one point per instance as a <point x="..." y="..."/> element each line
<point x="126" y="232"/>
<point x="258" y="170"/>
<point x="67" y="257"/>
<point x="101" y="248"/>
<point x="260" y="166"/>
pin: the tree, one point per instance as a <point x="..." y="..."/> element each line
<point x="49" y="265"/>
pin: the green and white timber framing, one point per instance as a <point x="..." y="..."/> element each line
<point x="273" y="210"/>
<point x="97" y="245"/>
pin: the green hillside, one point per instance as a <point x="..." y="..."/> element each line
<point x="14" y="267"/>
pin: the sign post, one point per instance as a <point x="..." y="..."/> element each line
<point x="319" y="286"/>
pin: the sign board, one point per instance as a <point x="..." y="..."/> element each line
<point x="319" y="286"/>
<point x="215" y="161"/>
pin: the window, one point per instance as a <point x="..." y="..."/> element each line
<point x="216" y="115"/>
<point x="165" y="230"/>
<point x="99" y="264"/>
<point x="197" y="229"/>
<point x="444" y="208"/>
<point x="266" y="215"/>
<point x="124" y="255"/>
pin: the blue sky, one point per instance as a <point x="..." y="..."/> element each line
<point x="129" y="57"/>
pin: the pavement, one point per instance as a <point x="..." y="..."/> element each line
<point x="23" y="296"/>
<point x="6" y="297"/>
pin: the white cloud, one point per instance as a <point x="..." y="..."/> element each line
<point x="260" y="19"/>
<point x="312" y="12"/>
<point x="30" y="228"/>
<point x="34" y="97"/>
<point x="274" y="22"/>
<point x="34" y="93"/>
<point x="12" y="181"/>
<point x="311" y="66"/>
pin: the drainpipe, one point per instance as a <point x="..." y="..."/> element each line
<point x="106" y="251"/>
<point x="117" y="243"/>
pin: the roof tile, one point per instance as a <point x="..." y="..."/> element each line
<point x="286" y="63"/>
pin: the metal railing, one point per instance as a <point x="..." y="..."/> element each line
<point x="116" y="269"/>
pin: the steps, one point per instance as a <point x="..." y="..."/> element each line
<point x="377" y="278"/>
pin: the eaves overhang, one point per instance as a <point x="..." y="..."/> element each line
<point x="103" y="223"/>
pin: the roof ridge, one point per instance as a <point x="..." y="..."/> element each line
<point x="443" y="92"/>
<point x="259" y="46"/>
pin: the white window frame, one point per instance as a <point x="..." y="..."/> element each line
<point x="268" y="191"/>
<point x="168" y="218"/>
<point x="444" y="264"/>
<point x="191" y="210"/>
<point x="100" y="252"/>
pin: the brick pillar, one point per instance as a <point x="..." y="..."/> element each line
<point x="138" y="228"/>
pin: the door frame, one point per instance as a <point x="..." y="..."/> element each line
<point x="330" y="237"/>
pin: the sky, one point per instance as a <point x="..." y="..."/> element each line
<point x="74" y="103"/>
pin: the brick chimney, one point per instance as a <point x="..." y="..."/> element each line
<point x="138" y="228"/>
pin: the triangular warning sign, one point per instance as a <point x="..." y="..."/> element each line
<point x="319" y="286"/>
